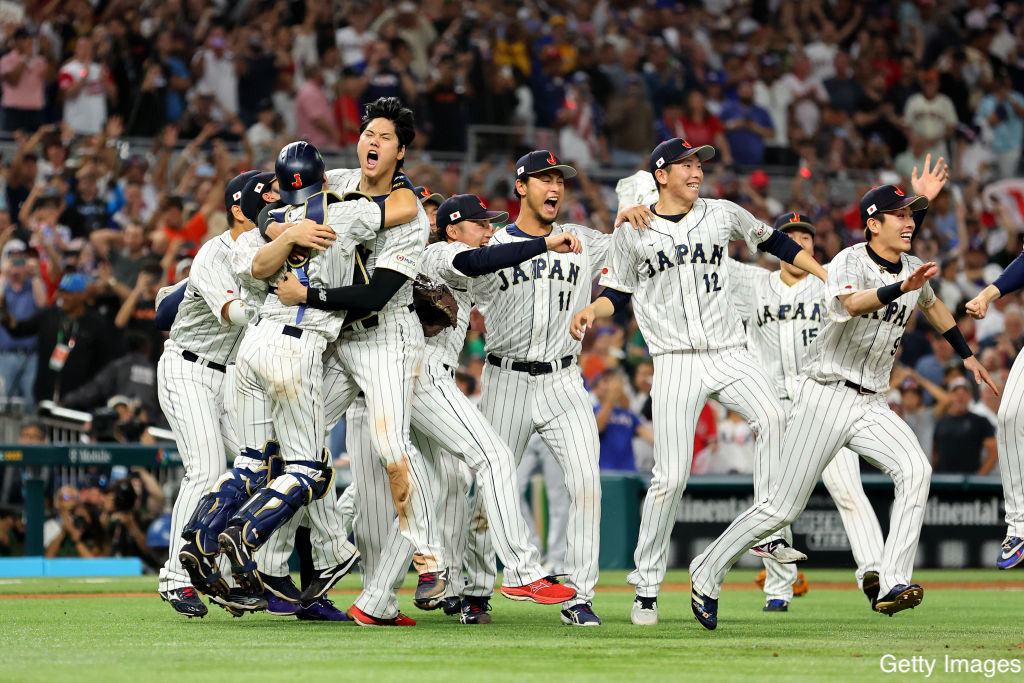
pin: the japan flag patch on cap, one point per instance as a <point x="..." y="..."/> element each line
<point x="236" y="196"/>
<point x="521" y="170"/>
<point x="872" y="209"/>
<point x="258" y="189"/>
<point x="455" y="216"/>
<point x="660" y="162"/>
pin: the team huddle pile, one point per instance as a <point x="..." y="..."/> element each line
<point x="304" y="313"/>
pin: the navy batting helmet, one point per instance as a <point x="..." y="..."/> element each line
<point x="300" y="172"/>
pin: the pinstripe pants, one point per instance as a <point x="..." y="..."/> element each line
<point x="558" y="408"/>
<point x="383" y="362"/>
<point x="826" y="417"/>
<point x="683" y="382"/>
<point x="1010" y="442"/>
<point x="192" y="396"/>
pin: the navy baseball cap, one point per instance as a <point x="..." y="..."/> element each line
<point x="677" y="149"/>
<point x="794" y="221"/>
<point x="465" y="207"/>
<point x="539" y="161"/>
<point x="252" y="201"/>
<point x="425" y="195"/>
<point x="233" y="192"/>
<point x="886" y="198"/>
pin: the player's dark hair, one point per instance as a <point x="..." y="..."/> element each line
<point x="392" y="109"/>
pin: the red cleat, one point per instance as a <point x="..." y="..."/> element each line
<point x="364" y="619"/>
<point x="546" y="591"/>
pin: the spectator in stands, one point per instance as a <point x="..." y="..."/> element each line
<point x="125" y="252"/>
<point x="314" y="117"/>
<point x="138" y="310"/>
<point x="931" y="115"/>
<point x="132" y="375"/>
<point x="920" y="417"/>
<point x="22" y="296"/>
<point x="1002" y="112"/>
<point x="24" y="83"/>
<point x="605" y="353"/>
<point x="747" y="126"/>
<point x="85" y="85"/>
<point x="12" y="533"/>
<point x="215" y="71"/>
<point x="844" y="90"/>
<point x="128" y="519"/>
<point x="445" y="98"/>
<point x="964" y="441"/>
<point x="616" y="423"/>
<point x="353" y="39"/>
<point x="806" y="95"/>
<point x="701" y="127"/>
<point x="629" y="124"/>
<point x="73" y="341"/>
<point x="734" y="453"/>
<point x="87" y="210"/>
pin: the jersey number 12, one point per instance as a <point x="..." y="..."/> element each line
<point x="711" y="282"/>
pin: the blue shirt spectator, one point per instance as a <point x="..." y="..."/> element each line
<point x="747" y="126"/>
<point x="616" y="424"/>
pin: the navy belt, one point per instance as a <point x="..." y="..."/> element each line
<point x="371" y="321"/>
<point x="193" y="358"/>
<point x="859" y="388"/>
<point x="532" y="367"/>
<point x="290" y="330"/>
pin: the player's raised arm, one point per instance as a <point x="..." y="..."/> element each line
<point x="871" y="300"/>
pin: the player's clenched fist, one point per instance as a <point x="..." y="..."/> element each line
<point x="581" y="321"/>
<point x="978" y="306"/>
<point x="563" y="243"/>
<point x="290" y="291"/>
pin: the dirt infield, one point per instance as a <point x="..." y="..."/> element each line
<point x="674" y="586"/>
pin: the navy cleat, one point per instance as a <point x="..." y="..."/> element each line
<point x="243" y="566"/>
<point x="237" y="602"/>
<point x="776" y="606"/>
<point x="430" y="590"/>
<point x="322" y="610"/>
<point x="475" y="610"/>
<point x="202" y="570"/>
<point x="580" y="615"/>
<point x="705" y="609"/>
<point x="324" y="579"/>
<point x="450" y="605"/>
<point x="278" y="607"/>
<point x="1012" y="552"/>
<point x="870" y="586"/>
<point x="281" y="587"/>
<point x="185" y="601"/>
<point x="901" y="597"/>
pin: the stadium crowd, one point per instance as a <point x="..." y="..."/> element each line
<point x="128" y="117"/>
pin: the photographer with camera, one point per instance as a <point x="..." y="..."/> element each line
<point x="77" y="531"/>
<point x="127" y="520"/>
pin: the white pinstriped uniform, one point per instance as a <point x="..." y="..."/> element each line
<point x="192" y="394"/>
<point x="383" y="361"/>
<point x="782" y="321"/>
<point x="448" y="430"/>
<point x="537" y="458"/>
<point x="1010" y="444"/>
<point x="528" y="309"/>
<point x="278" y="374"/>
<point x="679" y="275"/>
<point x="828" y="415"/>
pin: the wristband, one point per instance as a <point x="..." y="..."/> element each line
<point x="956" y="339"/>
<point x="890" y="293"/>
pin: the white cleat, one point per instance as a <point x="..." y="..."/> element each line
<point x="644" y="612"/>
<point x="778" y="550"/>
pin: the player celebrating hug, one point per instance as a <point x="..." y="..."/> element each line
<point x="677" y="272"/>
<point x="872" y="290"/>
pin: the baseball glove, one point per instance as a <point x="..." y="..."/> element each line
<point x="435" y="305"/>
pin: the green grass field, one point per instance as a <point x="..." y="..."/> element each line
<point x="828" y="634"/>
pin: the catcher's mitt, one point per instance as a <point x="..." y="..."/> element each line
<point x="435" y="305"/>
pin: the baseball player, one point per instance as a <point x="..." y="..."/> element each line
<point x="381" y="345"/>
<point x="679" y="277"/>
<point x="784" y="311"/>
<point x="208" y="323"/>
<point x="531" y="383"/>
<point x="872" y="290"/>
<point x="1010" y="432"/>
<point x="280" y="354"/>
<point x="443" y="418"/>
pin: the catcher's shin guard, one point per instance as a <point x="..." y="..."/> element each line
<point x="230" y="493"/>
<point x="272" y="506"/>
